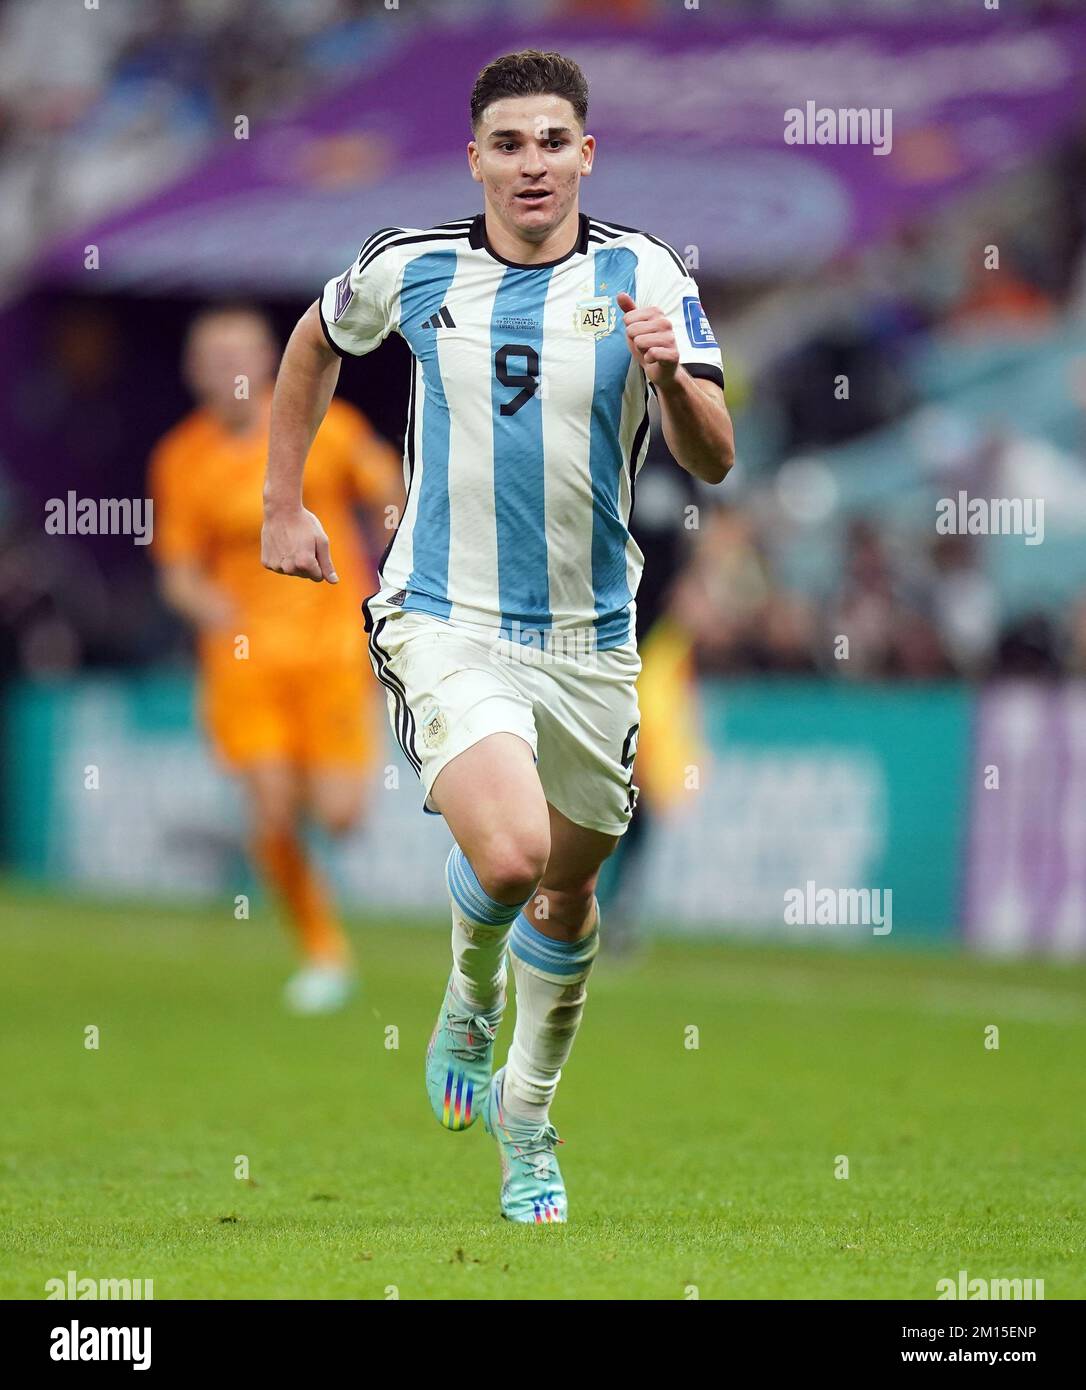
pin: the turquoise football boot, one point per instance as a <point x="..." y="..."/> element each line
<point x="533" y="1192"/>
<point x="459" y="1060"/>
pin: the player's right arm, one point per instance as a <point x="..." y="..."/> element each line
<point x="190" y="593"/>
<point x="292" y="540"/>
<point x="356" y="312"/>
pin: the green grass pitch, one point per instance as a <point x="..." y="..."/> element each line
<point x="708" y="1169"/>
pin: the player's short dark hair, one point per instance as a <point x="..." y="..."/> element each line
<point x="229" y="309"/>
<point x="530" y="73"/>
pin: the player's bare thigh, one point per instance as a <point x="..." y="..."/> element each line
<point x="493" y="803"/>
<point x="273" y="794"/>
<point x="279" y="793"/>
<point x="336" y="797"/>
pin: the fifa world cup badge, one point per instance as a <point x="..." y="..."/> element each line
<point x="595" y="316"/>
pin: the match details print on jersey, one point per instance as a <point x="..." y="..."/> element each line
<point x="527" y="420"/>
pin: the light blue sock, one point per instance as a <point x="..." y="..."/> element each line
<point x="480" y="932"/>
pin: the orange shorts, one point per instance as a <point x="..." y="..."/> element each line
<point x="323" y="717"/>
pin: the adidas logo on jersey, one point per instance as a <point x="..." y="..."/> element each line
<point x="442" y="319"/>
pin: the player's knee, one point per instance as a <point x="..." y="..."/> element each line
<point x="338" y="821"/>
<point x="572" y="887"/>
<point x="272" y="814"/>
<point x="339" y="817"/>
<point x="511" y="867"/>
<point x="336" y="802"/>
<point x="571" y="902"/>
<point x="273" y="801"/>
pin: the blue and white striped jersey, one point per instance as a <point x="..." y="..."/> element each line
<point x="527" y="424"/>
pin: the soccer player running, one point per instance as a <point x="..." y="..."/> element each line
<point x="503" y="627"/>
<point x="286" y="693"/>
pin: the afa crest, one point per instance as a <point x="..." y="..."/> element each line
<point x="595" y="316"/>
<point x="435" y="729"/>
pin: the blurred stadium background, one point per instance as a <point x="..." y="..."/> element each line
<point x="120" y="132"/>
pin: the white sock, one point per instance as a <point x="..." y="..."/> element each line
<point x="551" y="991"/>
<point x="480" y="932"/>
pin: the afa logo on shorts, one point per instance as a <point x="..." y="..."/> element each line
<point x="435" y="730"/>
<point x="697" y="325"/>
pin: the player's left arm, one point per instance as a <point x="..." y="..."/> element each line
<point x="674" y="345"/>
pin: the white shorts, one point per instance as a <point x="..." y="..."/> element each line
<point x="449" y="685"/>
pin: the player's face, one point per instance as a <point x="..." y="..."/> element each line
<point x="530" y="154"/>
<point x="229" y="364"/>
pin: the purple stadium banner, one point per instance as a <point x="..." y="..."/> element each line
<point x="690" y="120"/>
<point x="1026" y="870"/>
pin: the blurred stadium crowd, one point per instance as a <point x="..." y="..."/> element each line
<point x="827" y="526"/>
<point x="899" y="321"/>
<point x="94" y="109"/>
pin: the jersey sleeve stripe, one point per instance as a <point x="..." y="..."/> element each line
<point x="370" y="256"/>
<point x="615" y="228"/>
<point x="372" y="241"/>
<point x="328" y="337"/>
<point x="706" y="370"/>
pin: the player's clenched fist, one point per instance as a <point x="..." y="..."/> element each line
<point x="650" y="338"/>
<point x="295" y="543"/>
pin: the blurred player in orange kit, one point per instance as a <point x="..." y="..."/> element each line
<point x="287" y="694"/>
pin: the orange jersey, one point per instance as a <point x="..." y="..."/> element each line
<point x="207" y="487"/>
